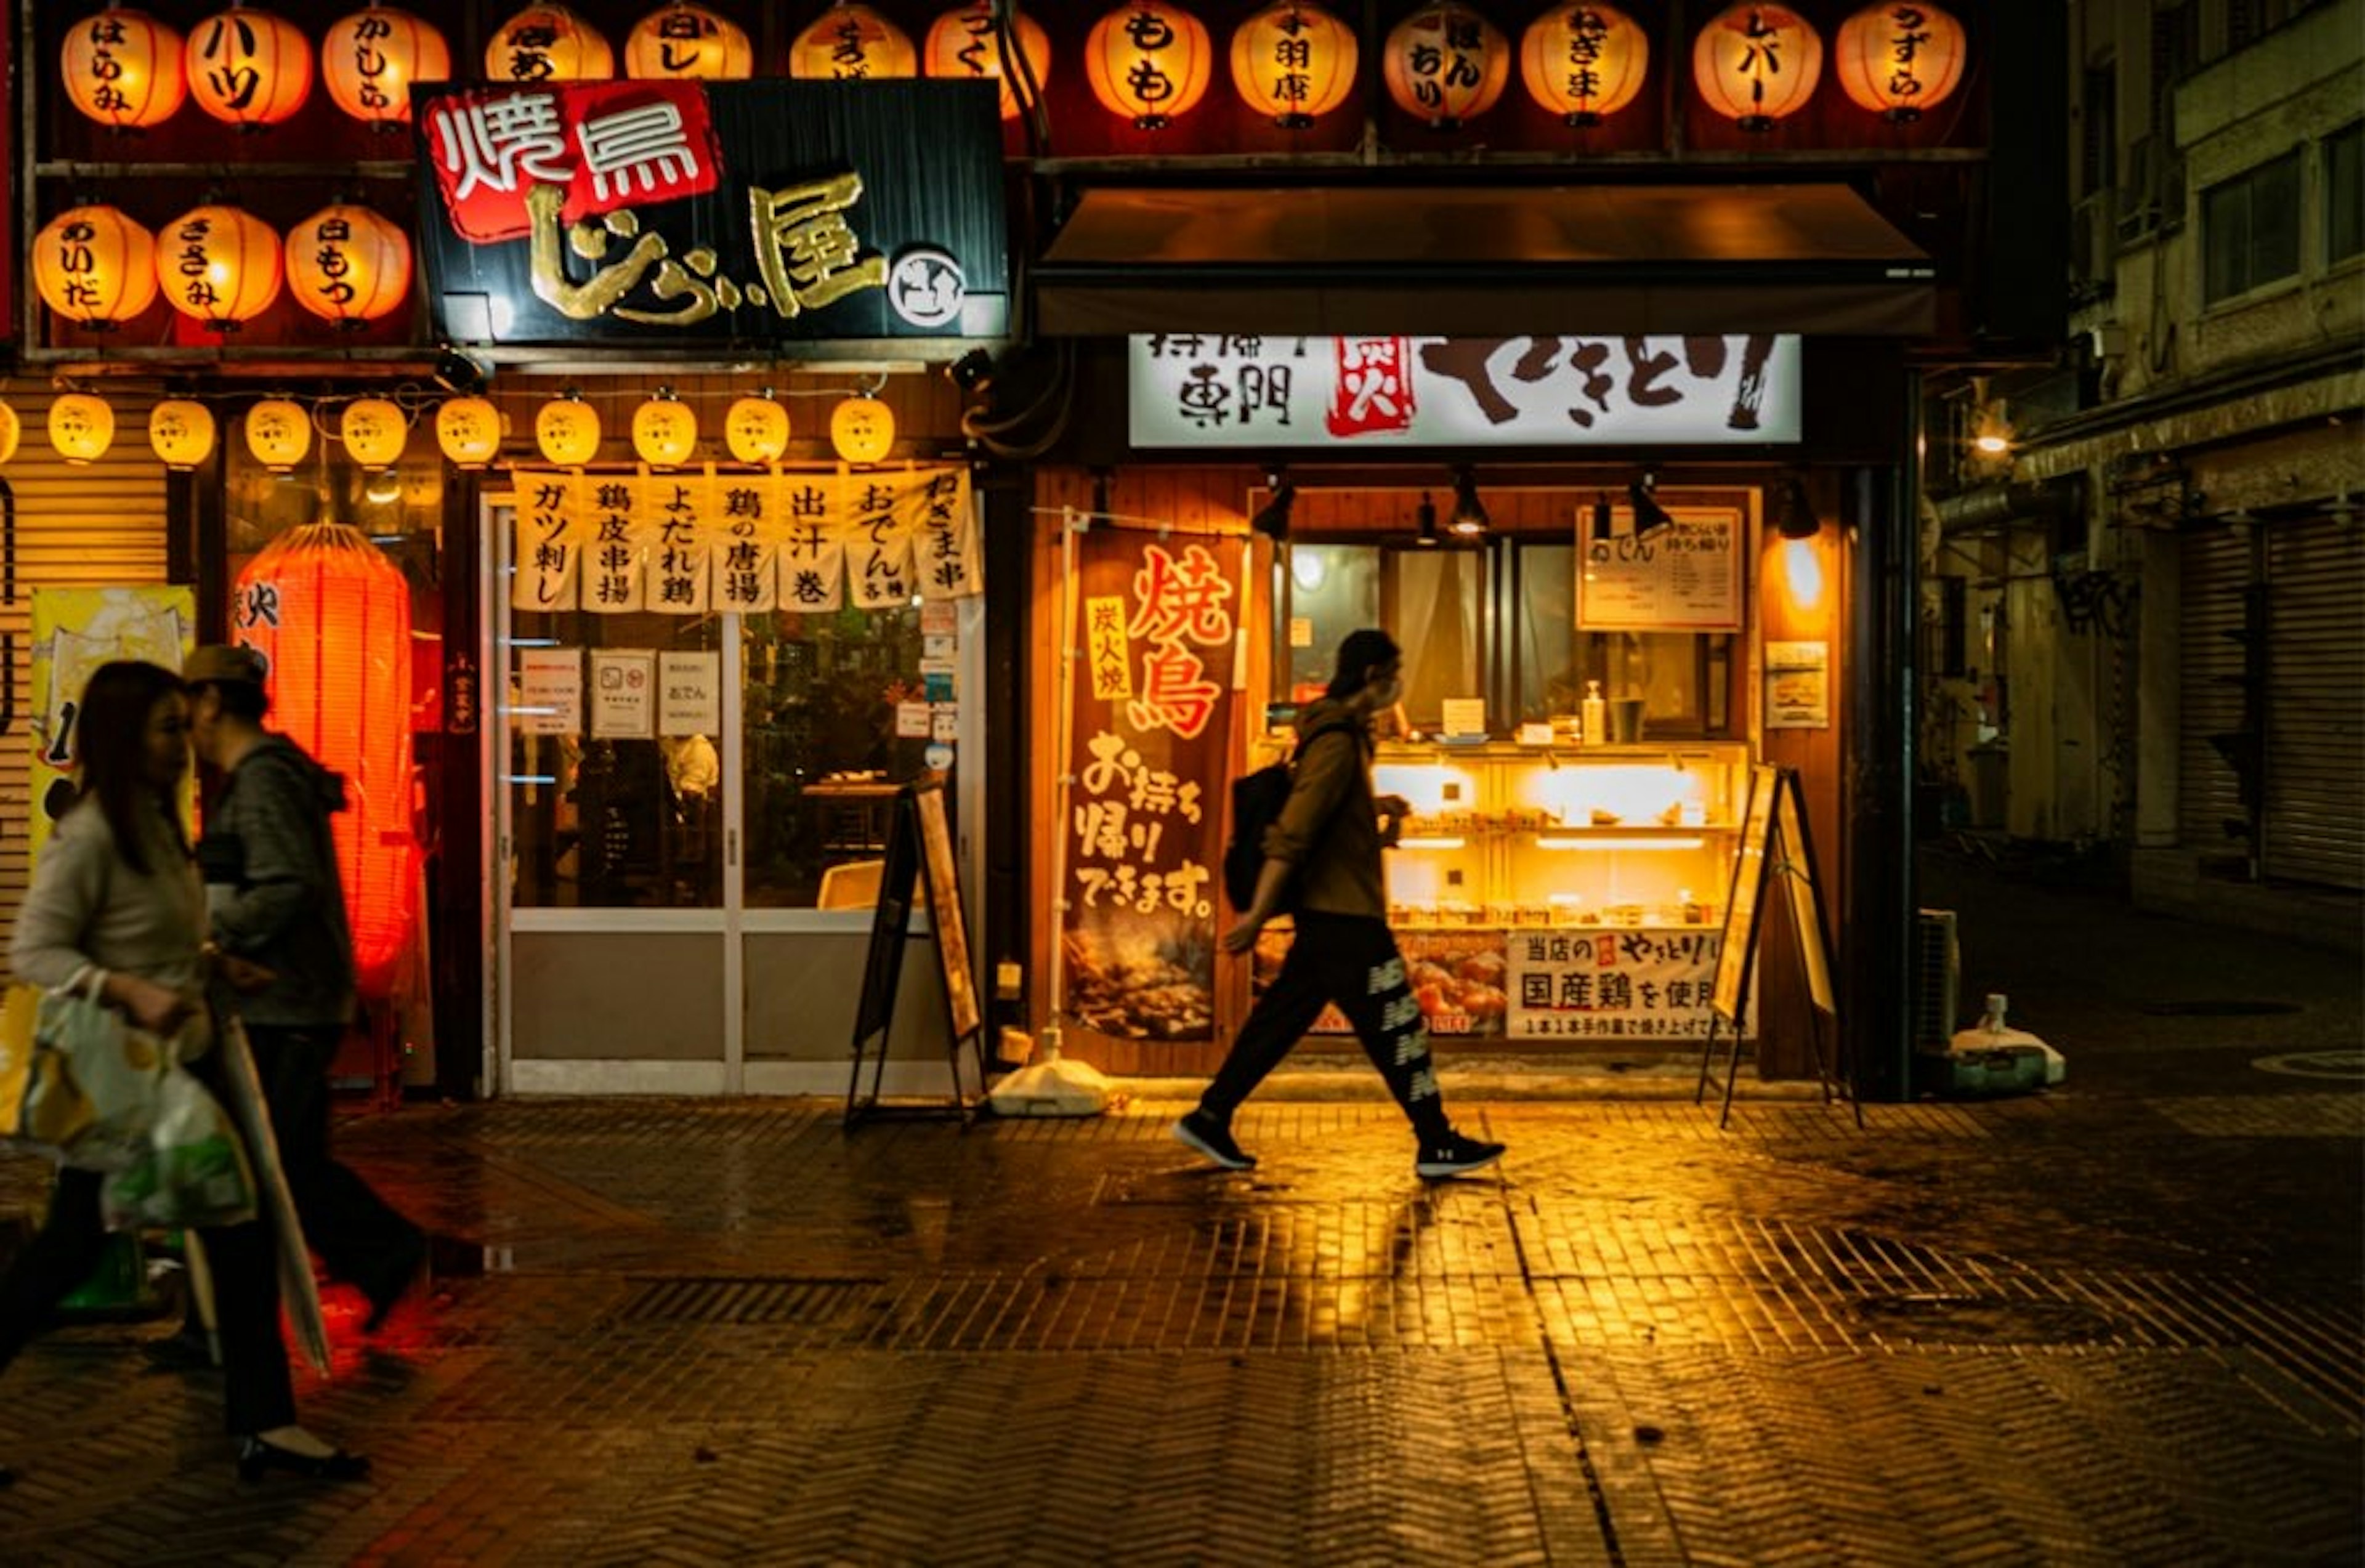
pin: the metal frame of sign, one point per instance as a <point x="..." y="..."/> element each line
<point x="919" y="851"/>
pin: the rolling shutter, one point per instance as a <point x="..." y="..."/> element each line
<point x="2316" y="702"/>
<point x="2215" y="566"/>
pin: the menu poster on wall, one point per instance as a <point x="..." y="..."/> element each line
<point x="1798" y="685"/>
<point x="690" y="694"/>
<point x="550" y="692"/>
<point x="1682" y="578"/>
<point x="1612" y="984"/>
<point x="623" y="694"/>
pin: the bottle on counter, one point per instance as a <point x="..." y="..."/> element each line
<point x="1597" y="715"/>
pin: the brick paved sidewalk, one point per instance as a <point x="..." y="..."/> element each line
<point x="2063" y="1329"/>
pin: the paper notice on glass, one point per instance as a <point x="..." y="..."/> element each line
<point x="1301" y="630"/>
<point x="936" y="617"/>
<point x="911" y="720"/>
<point x="623" y="694"/>
<point x="1464" y="716"/>
<point x="1798" y="685"/>
<point x="550" y="692"/>
<point x="690" y="694"/>
<point x="944" y="721"/>
<point x="938" y="646"/>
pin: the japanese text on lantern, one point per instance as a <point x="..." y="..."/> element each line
<point x="1119" y="825"/>
<point x="1177" y="604"/>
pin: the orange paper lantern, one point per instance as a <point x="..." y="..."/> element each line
<point x="1148" y="61"/>
<point x="684" y="42"/>
<point x="665" y="431"/>
<point x="469" y="432"/>
<point x="851" y="42"/>
<point x="1293" y="63"/>
<point x="278" y="432"/>
<point x="374" y="431"/>
<point x="348" y="265"/>
<point x="370" y="58"/>
<point x="81" y="426"/>
<point x="862" y="429"/>
<point x="1754" y="64"/>
<point x="755" y="430"/>
<point x="12" y="432"/>
<point x="249" y="68"/>
<point x="567" y="430"/>
<point x="331" y="618"/>
<point x="1896" y="60"/>
<point x="1583" y="62"/>
<point x="1446" y="64"/>
<point x="548" y="43"/>
<point x="122" y="68"/>
<point x="218" y="265"/>
<point x="181" y="433"/>
<point x="960" y="46"/>
<point x="94" y="266"/>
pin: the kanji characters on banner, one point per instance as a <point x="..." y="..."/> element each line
<point x="685" y="544"/>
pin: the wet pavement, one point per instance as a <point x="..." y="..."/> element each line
<point x="2121" y="1321"/>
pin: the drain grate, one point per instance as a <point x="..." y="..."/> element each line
<point x="807" y="1303"/>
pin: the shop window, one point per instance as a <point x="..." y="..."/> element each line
<point x="1331" y="589"/>
<point x="2250" y="229"/>
<point x="2344" y="192"/>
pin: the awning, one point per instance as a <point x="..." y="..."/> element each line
<point x="1484" y="262"/>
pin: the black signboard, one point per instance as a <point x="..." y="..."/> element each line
<point x="650" y="214"/>
<point x="919" y="851"/>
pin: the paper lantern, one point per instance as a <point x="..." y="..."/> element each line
<point x="279" y="432"/>
<point x="1294" y="62"/>
<point x="370" y="58"/>
<point x="1148" y="61"/>
<point x="81" y="426"/>
<point x="181" y="432"/>
<point x="960" y="46"/>
<point x="123" y="68"/>
<point x="374" y="431"/>
<point x="684" y="42"/>
<point x="469" y="432"/>
<point x="1583" y="62"/>
<point x="851" y="42"/>
<point x="1753" y="65"/>
<point x="1896" y="60"/>
<point x="567" y="430"/>
<point x="755" y="430"/>
<point x="1446" y="64"/>
<point x="338" y="652"/>
<point x="12" y="432"/>
<point x="862" y="429"/>
<point x="94" y="266"/>
<point x="348" y="265"/>
<point x="548" y="43"/>
<point x="220" y="265"/>
<point x="249" y="68"/>
<point x="665" y="431"/>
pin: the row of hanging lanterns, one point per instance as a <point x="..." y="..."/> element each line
<point x="376" y="431"/>
<point x="1148" y="61"/>
<point x="222" y="265"/>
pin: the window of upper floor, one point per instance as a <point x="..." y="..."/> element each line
<point x="2250" y="229"/>
<point x="2344" y="192"/>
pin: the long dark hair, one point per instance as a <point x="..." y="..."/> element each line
<point x="111" y="735"/>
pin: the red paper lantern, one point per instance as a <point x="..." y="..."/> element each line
<point x="336" y="637"/>
<point x="249" y="68"/>
<point x="1753" y="65"/>
<point x="1447" y="64"/>
<point x="94" y="266"/>
<point x="218" y="265"/>
<point x="122" y="68"/>
<point x="370" y="58"/>
<point x="1896" y="60"/>
<point x="1293" y="63"/>
<point x="1583" y="62"/>
<point x="548" y="43"/>
<point x="348" y="265"/>
<point x="1148" y="61"/>
<point x="960" y="45"/>
<point x="851" y="42"/>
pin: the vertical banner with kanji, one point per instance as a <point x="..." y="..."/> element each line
<point x="1154" y="711"/>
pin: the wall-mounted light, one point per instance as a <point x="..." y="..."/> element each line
<point x="1650" y="517"/>
<point x="1469" y="514"/>
<point x="973" y="371"/>
<point x="1796" y="518"/>
<point x="1424" y="519"/>
<point x="1273" y="519"/>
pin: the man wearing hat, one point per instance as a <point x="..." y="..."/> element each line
<point x="276" y="900"/>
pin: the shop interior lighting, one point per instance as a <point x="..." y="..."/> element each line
<point x="1425" y="516"/>
<point x="1797" y="519"/>
<point x="1601" y="520"/>
<point x="1429" y="843"/>
<point x="1650" y="517"/>
<point x="1469" y="515"/>
<point x="1613" y="841"/>
<point x="1273" y="519"/>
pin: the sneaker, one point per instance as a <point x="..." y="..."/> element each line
<point x="1213" y="1138"/>
<point x="1455" y="1155"/>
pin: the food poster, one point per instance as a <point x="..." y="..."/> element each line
<point x="74" y="632"/>
<point x="1612" y="984"/>
<point x="1457" y="976"/>
<point x="1153" y="707"/>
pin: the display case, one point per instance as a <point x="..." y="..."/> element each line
<point x="1558" y="893"/>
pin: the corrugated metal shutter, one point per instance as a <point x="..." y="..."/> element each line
<point x="2215" y="566"/>
<point x="73" y="526"/>
<point x="2315" y="703"/>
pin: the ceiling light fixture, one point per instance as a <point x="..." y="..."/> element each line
<point x="1425" y="518"/>
<point x="1650" y="517"/>
<point x="1469" y="514"/>
<point x="1272" y="518"/>
<point x="1796" y="518"/>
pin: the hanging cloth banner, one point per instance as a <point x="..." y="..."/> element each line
<point x="687" y="543"/>
<point x="1153" y="709"/>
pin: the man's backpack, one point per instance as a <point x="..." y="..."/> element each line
<point x="1257" y="801"/>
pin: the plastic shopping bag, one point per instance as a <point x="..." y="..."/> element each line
<point x="115" y="1068"/>
<point x="195" y="1171"/>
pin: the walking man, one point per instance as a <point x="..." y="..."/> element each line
<point x="276" y="900"/>
<point x="1322" y="860"/>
